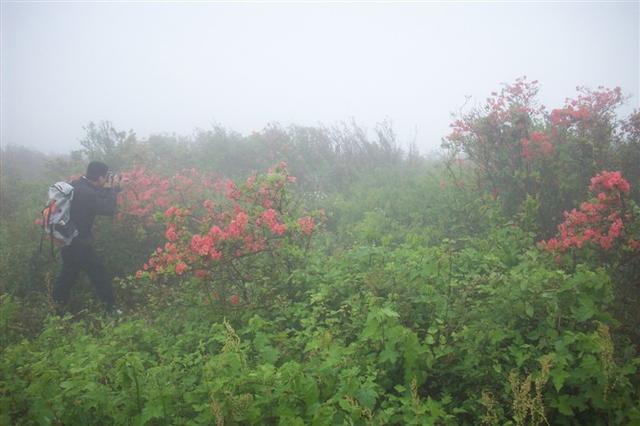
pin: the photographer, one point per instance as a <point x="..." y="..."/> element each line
<point x="94" y="194"/>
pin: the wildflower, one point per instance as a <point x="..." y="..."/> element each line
<point x="171" y="234"/>
<point x="278" y="228"/>
<point x="201" y="245"/>
<point x="616" y="228"/>
<point x="306" y="225"/>
<point x="180" y="268"/>
<point x="237" y="226"/>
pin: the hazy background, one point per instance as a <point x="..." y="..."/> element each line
<point x="169" y="67"/>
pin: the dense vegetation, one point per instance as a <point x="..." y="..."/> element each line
<point x="324" y="276"/>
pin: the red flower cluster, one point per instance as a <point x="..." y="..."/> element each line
<point x="144" y="193"/>
<point x="600" y="221"/>
<point x="219" y="224"/>
<point x="590" y="104"/>
<point x="147" y="193"/>
<point x="609" y="181"/>
<point x="270" y="218"/>
<point x="306" y="224"/>
<point x="568" y="115"/>
<point x="538" y="145"/>
<point x="164" y="260"/>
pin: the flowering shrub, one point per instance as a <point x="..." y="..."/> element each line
<point x="602" y="221"/>
<point x="219" y="232"/>
<point x="518" y="150"/>
<point x="504" y="140"/>
<point x="497" y="134"/>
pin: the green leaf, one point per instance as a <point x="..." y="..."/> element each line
<point x="389" y="313"/>
<point x="498" y="336"/>
<point x="389" y="354"/>
<point x="528" y="309"/>
<point x="558" y="377"/>
<point x="367" y="397"/>
<point x="152" y="410"/>
<point x="585" y="311"/>
<point x="344" y="404"/>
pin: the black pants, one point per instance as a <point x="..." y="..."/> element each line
<point x="82" y="257"/>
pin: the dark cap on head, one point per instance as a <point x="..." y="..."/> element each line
<point x="95" y="169"/>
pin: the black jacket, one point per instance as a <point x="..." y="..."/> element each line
<point x="88" y="202"/>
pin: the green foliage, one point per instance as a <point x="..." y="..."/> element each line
<point x="412" y="335"/>
<point x="423" y="302"/>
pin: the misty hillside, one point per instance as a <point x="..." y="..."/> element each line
<point x="308" y="275"/>
<point x="319" y="213"/>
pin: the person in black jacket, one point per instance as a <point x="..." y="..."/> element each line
<point x="94" y="194"/>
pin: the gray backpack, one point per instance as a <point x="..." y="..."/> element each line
<point x="56" y="216"/>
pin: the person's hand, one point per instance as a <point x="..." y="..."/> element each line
<point x="119" y="184"/>
<point x="108" y="182"/>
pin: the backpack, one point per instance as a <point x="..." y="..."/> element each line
<point x="56" y="216"/>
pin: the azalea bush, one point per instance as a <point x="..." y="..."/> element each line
<point x="519" y="150"/>
<point x="241" y="242"/>
<point x="505" y="140"/>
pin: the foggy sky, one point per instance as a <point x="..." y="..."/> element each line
<point x="172" y="68"/>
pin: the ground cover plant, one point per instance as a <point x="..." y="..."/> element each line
<point x="323" y="276"/>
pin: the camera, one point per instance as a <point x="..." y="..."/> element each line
<point x="113" y="179"/>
